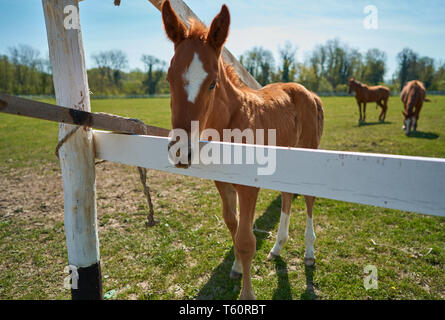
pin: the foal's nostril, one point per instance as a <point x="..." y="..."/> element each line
<point x="170" y="145"/>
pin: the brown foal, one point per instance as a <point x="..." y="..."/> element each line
<point x="364" y="94"/>
<point x="413" y="95"/>
<point x="205" y="89"/>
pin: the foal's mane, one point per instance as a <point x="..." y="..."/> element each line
<point x="360" y="84"/>
<point x="199" y="31"/>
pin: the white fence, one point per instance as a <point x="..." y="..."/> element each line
<point x="398" y="182"/>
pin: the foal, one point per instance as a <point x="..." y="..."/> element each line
<point x="364" y="94"/>
<point x="413" y="96"/>
<point x="205" y="89"/>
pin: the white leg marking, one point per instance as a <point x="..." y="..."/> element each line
<point x="237" y="267"/>
<point x="407" y="125"/>
<point x="193" y="77"/>
<point x="414" y="120"/>
<point x="309" y="237"/>
<point x="283" y="234"/>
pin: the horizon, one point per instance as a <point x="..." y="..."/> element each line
<point x="135" y="27"/>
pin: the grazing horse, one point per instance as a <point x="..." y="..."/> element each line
<point x="364" y="94"/>
<point x="206" y="89"/>
<point x="413" y="95"/>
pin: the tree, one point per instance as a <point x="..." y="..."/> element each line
<point x="260" y="64"/>
<point x="287" y="56"/>
<point x="426" y="71"/>
<point x="307" y="76"/>
<point x="374" y="66"/>
<point x="154" y="76"/>
<point x="334" y="62"/>
<point x="110" y="65"/>
<point x="317" y="62"/>
<point x="26" y="71"/>
<point x="407" y="60"/>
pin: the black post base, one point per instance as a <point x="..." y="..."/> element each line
<point x="89" y="283"/>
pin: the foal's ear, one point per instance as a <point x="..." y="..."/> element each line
<point x="219" y="30"/>
<point x="173" y="26"/>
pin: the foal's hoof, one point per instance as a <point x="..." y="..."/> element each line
<point x="309" y="262"/>
<point x="272" y="256"/>
<point x="235" y="275"/>
<point x="247" y="296"/>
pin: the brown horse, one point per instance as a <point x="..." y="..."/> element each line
<point x="413" y="95"/>
<point x="205" y="89"/>
<point x="364" y="94"/>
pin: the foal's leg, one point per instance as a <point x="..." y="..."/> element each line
<point x="384" y="104"/>
<point x="379" y="104"/>
<point x="228" y="197"/>
<point x="283" y="229"/>
<point x="416" y="117"/>
<point x="245" y="240"/>
<point x="364" y="111"/>
<point x="309" y="235"/>
<point x="359" y="111"/>
<point x="415" y="120"/>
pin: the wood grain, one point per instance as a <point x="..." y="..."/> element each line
<point x="45" y="111"/>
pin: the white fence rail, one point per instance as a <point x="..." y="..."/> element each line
<point x="398" y="182"/>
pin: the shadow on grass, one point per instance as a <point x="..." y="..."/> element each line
<point x="423" y="135"/>
<point x="309" y="294"/>
<point x="364" y="124"/>
<point x="220" y="286"/>
<point x="283" y="292"/>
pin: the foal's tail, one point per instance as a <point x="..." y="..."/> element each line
<point x="320" y="115"/>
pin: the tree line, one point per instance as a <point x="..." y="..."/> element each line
<point x="327" y="68"/>
<point x="24" y="72"/>
<point x="109" y="78"/>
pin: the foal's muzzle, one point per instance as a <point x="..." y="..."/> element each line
<point x="175" y="154"/>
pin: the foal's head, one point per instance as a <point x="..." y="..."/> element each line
<point x="352" y="83"/>
<point x="193" y="71"/>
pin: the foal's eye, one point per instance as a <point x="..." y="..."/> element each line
<point x="212" y="85"/>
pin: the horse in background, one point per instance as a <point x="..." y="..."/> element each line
<point x="364" y="94"/>
<point x="413" y="95"/>
<point x="206" y="89"/>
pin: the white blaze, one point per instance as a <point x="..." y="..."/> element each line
<point x="193" y="77"/>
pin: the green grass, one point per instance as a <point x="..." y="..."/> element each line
<point x="189" y="253"/>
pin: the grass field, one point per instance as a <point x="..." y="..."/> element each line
<point x="188" y="255"/>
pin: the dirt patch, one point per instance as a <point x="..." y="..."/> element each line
<point x="27" y="191"/>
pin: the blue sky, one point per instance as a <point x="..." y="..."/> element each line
<point x="136" y="27"/>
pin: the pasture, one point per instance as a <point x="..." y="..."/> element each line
<point x="189" y="254"/>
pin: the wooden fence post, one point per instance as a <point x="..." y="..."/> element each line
<point x="77" y="153"/>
